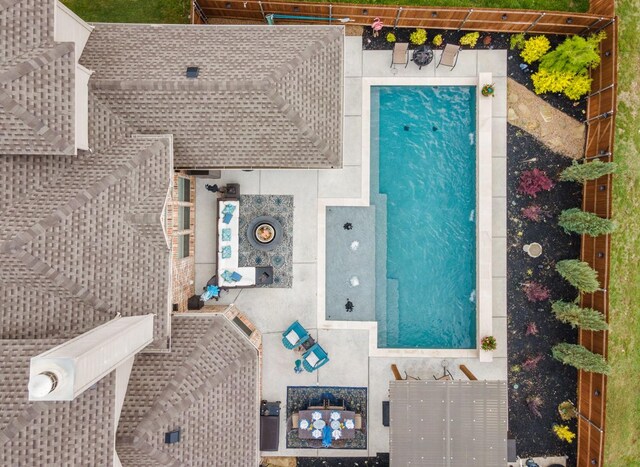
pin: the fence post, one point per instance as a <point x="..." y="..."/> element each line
<point x="198" y="9"/>
<point x="395" y="23"/>
<point x="600" y="117"/>
<point x="535" y="21"/>
<point x="613" y="20"/>
<point x="465" y="18"/>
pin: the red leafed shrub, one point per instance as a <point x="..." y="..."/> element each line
<point x="534" y="181"/>
<point x="531" y="363"/>
<point x="535" y="291"/>
<point x="534" y="213"/>
<point x="534" y="403"/>
<point x="532" y="329"/>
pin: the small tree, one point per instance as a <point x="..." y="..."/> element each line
<point x="579" y="357"/>
<point x="581" y="222"/>
<point x="575" y="55"/>
<point x="588" y="171"/>
<point x="585" y="318"/>
<point x="579" y="274"/>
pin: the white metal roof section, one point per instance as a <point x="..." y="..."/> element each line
<point x="448" y="423"/>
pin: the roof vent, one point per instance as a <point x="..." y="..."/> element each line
<point x="172" y="437"/>
<point x="43" y="383"/>
<point x="192" y="72"/>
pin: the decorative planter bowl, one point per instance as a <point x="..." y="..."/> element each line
<point x="533" y="249"/>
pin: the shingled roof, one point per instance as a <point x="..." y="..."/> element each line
<point x="265" y="96"/>
<point x="37" y="76"/>
<point x="79" y="236"/>
<point x="79" y="432"/>
<point x="207" y="387"/>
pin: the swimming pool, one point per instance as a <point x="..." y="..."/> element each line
<point x="423" y="184"/>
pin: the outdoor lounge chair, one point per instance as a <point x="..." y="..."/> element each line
<point x="449" y="56"/>
<point x="398" y="376"/>
<point x="294" y="336"/>
<point x="400" y="54"/>
<point x="314" y="358"/>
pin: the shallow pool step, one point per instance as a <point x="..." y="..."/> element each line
<point x="380" y="203"/>
<point x="393" y="312"/>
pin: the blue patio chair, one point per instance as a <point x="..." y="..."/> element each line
<point x="295" y="333"/>
<point x="314" y="358"/>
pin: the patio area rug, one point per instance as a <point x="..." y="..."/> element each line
<point x="300" y="397"/>
<point x="281" y="257"/>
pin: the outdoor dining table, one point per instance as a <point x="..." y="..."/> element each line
<point x="313" y="421"/>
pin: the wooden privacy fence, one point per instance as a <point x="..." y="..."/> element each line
<point x="600" y="132"/>
<point x="597" y="198"/>
<point x="480" y="19"/>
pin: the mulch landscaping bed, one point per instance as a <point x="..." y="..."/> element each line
<point x="550" y="380"/>
<point x="381" y="460"/>
<point x="498" y="41"/>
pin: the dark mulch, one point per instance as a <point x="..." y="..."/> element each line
<point x="498" y="41"/>
<point x="551" y="381"/>
<point x="381" y="460"/>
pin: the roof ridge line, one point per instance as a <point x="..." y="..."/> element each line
<point x="24" y="67"/>
<point x="80" y="199"/>
<point x="59" y="279"/>
<point x="140" y="433"/>
<point x="12" y="107"/>
<point x="183" y="371"/>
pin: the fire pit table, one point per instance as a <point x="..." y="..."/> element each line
<point x="264" y="233"/>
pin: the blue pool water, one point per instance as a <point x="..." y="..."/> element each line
<point x="423" y="159"/>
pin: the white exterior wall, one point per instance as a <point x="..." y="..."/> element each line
<point x="84" y="360"/>
<point x="69" y="27"/>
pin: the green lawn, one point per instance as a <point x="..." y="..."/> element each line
<point x="553" y="5"/>
<point x="623" y="395"/>
<point x="131" y="11"/>
<point x="177" y="11"/>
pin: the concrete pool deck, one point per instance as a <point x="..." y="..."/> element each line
<point x="272" y="310"/>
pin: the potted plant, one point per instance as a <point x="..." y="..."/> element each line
<point x="488" y="90"/>
<point x="488" y="343"/>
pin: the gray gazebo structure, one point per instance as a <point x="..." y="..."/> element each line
<point x="448" y="423"/>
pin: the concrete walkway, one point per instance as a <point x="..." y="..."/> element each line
<point x="553" y="128"/>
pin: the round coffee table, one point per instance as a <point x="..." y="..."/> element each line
<point x="265" y="233"/>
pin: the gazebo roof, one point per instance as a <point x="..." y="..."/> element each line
<point x="448" y="423"/>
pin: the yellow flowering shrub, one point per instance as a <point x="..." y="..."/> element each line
<point x="534" y="48"/>
<point x="550" y="81"/>
<point x="437" y="41"/>
<point x="470" y="39"/>
<point x="418" y="37"/>
<point x="564" y="433"/>
<point x="578" y="87"/>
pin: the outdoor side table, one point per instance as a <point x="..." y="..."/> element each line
<point x="422" y="56"/>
